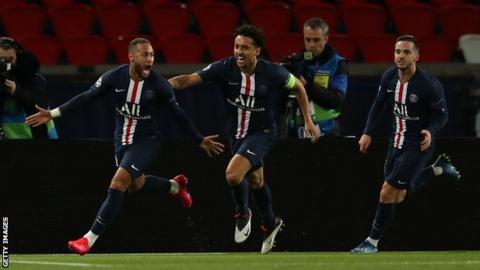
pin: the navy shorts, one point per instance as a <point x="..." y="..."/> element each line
<point x="136" y="157"/>
<point x="254" y="147"/>
<point x="403" y="166"/>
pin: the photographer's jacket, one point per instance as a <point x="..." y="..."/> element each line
<point x="30" y="91"/>
<point x="327" y="80"/>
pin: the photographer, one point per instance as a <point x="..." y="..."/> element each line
<point x="324" y="74"/>
<point x="21" y="88"/>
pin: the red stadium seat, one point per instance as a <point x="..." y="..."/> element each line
<point x="460" y="19"/>
<point x="92" y="50"/>
<point x="444" y="3"/>
<point x="220" y="46"/>
<point x="119" y="20"/>
<point x="75" y="20"/>
<point x="271" y="18"/>
<point x="394" y="3"/>
<point x="344" y="45"/>
<point x="57" y="3"/>
<point x="182" y="48"/>
<point x="167" y="18"/>
<point x="326" y="11"/>
<point x="98" y="3"/>
<point x="282" y="45"/>
<point x="47" y="49"/>
<point x="8" y="4"/>
<point x="406" y="18"/>
<point x="217" y="18"/>
<point x="364" y="19"/>
<point x="435" y="49"/>
<point x="23" y="21"/>
<point x="377" y="48"/>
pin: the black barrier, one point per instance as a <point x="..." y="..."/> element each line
<point x="326" y="193"/>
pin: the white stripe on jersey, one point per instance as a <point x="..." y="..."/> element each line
<point x="247" y="88"/>
<point x="400" y="122"/>
<point x="133" y="97"/>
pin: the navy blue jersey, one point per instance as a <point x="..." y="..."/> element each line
<point x="417" y="104"/>
<point x="136" y="104"/>
<point x="252" y="100"/>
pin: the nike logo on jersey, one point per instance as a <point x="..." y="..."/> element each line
<point x="119" y="90"/>
<point x="250" y="152"/>
<point x="135" y="168"/>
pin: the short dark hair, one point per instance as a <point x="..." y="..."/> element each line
<point x="410" y="38"/>
<point x="317" y="22"/>
<point x="252" y="32"/>
<point x="7" y="43"/>
<point x="133" y="44"/>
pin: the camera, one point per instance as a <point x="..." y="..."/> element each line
<point x="5" y="70"/>
<point x="5" y="67"/>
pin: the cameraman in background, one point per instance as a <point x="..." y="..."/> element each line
<point x="324" y="74"/>
<point x="21" y="88"/>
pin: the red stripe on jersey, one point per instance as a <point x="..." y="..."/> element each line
<point x="244" y="112"/>
<point x="130" y="120"/>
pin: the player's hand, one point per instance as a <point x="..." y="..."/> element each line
<point x="41" y="117"/>
<point x="364" y="143"/>
<point x="427" y="139"/>
<point x="311" y="132"/>
<point x="211" y="146"/>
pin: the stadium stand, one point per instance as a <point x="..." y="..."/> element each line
<point x="182" y="48"/>
<point x="327" y="11"/>
<point x="281" y="45"/>
<point x="72" y="20"/>
<point x="92" y="50"/>
<point x="216" y="18"/>
<point x="377" y="47"/>
<point x="47" y="49"/>
<point x="273" y="18"/>
<point x="220" y="46"/>
<point x="32" y="18"/>
<point x="167" y="18"/>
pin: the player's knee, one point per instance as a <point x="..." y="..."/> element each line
<point x="387" y="196"/>
<point x="121" y="181"/>
<point x="233" y="177"/>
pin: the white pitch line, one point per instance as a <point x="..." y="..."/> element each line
<point x="61" y="263"/>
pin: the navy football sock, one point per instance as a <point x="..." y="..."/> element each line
<point x="421" y="181"/>
<point x="263" y="200"/>
<point x="240" y="196"/>
<point x="383" y="217"/>
<point x="108" y="211"/>
<point x="156" y="184"/>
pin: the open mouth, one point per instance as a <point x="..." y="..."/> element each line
<point x="240" y="59"/>
<point x="146" y="71"/>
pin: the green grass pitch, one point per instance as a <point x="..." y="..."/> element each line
<point x="447" y="260"/>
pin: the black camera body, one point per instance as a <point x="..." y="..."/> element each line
<point x="5" y="71"/>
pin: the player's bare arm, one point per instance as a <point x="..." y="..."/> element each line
<point x="184" y="81"/>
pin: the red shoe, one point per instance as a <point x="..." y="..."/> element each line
<point x="79" y="246"/>
<point x="183" y="194"/>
